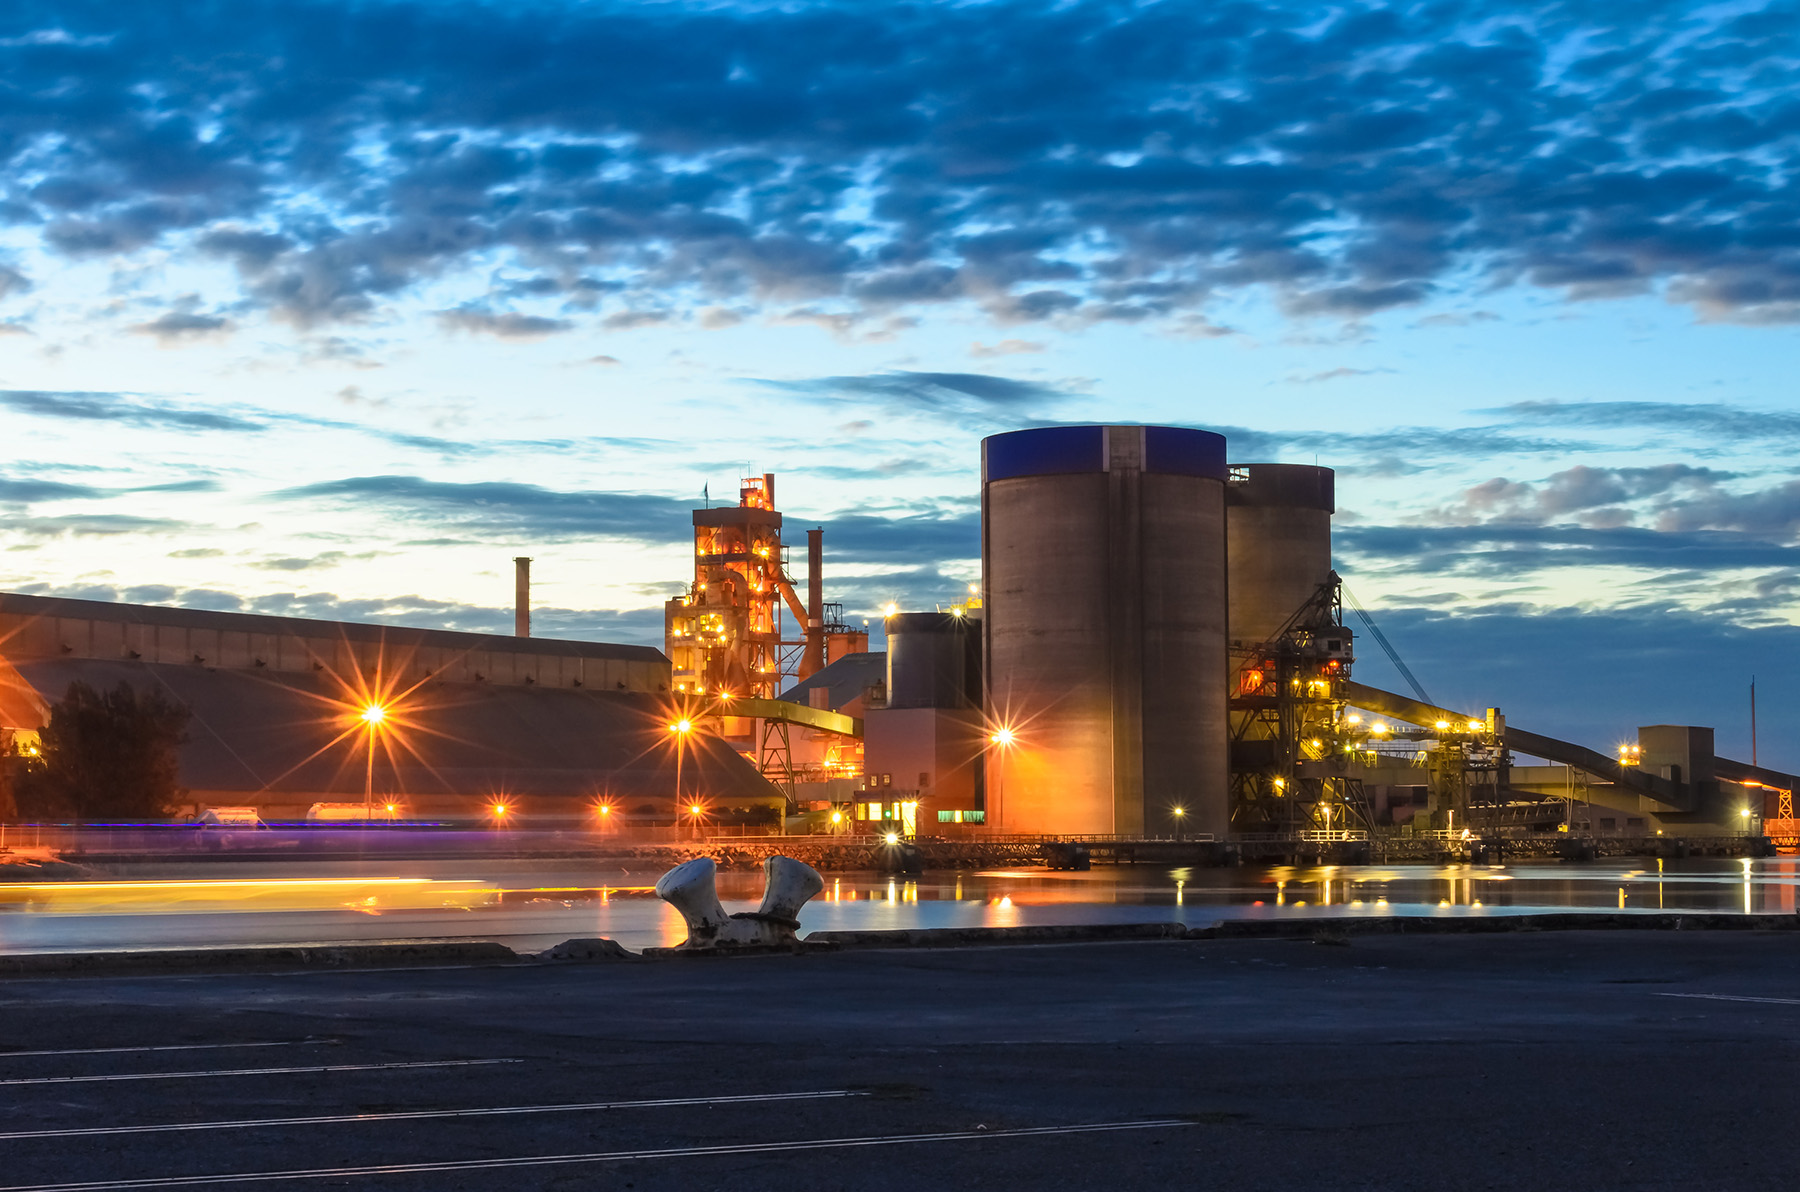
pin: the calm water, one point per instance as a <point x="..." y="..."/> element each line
<point x="532" y="906"/>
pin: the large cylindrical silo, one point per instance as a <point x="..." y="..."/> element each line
<point x="1278" y="530"/>
<point x="933" y="661"/>
<point x="1103" y="571"/>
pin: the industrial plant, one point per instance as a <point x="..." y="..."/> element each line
<point x="1156" y="650"/>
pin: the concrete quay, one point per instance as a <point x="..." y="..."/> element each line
<point x="1566" y="1059"/>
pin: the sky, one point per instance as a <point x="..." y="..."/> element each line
<point x="331" y="308"/>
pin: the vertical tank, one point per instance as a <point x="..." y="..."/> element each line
<point x="1278" y="528"/>
<point x="1103" y="572"/>
<point x="933" y="661"/>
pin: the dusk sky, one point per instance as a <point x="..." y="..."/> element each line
<point x="331" y="308"/>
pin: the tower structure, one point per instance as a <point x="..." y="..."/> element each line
<point x="723" y="636"/>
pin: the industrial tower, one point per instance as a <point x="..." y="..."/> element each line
<point x="723" y="636"/>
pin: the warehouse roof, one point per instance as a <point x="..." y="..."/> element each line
<point x="300" y="734"/>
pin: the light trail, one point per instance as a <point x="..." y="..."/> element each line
<point x="413" y="1115"/>
<point x="681" y="1152"/>
<point x="1732" y="997"/>
<point x="13" y="1055"/>
<point x="254" y="1072"/>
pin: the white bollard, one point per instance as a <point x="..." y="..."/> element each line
<point x="691" y="889"/>
<point x="787" y="885"/>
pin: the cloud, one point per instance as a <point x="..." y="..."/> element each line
<point x="1006" y="347"/>
<point x="91" y="525"/>
<point x="513" y="511"/>
<point x="507" y="325"/>
<point x="25" y="492"/>
<point x="1086" y="161"/>
<point x="965" y="394"/>
<point x="1699" y="423"/>
<point x="118" y="408"/>
<point x="1336" y="374"/>
<point x="175" y="327"/>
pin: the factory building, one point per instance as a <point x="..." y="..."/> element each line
<point x="471" y="722"/>
<point x="927" y="741"/>
<point x="1103" y="554"/>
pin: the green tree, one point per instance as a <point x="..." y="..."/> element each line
<point x="107" y="756"/>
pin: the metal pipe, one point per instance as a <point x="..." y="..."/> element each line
<point x="813" y="659"/>
<point x="522" y="597"/>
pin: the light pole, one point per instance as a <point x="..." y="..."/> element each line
<point x="372" y="716"/>
<point x="681" y="728"/>
<point x="1178" y="813"/>
<point x="1002" y="739"/>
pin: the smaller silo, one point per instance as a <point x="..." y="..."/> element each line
<point x="934" y="661"/>
<point x="1278" y="541"/>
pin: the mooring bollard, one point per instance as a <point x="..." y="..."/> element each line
<point x="691" y="888"/>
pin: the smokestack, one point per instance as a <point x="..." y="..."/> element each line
<point x="522" y="597"/>
<point x="812" y="659"/>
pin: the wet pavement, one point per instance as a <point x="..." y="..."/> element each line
<point x="1554" y="1060"/>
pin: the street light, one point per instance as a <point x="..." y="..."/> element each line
<point x="1178" y="813"/>
<point x="373" y="715"/>
<point x="681" y="728"/>
<point x="1002" y="739"/>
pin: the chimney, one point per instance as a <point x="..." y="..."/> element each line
<point x="812" y="660"/>
<point x="522" y="597"/>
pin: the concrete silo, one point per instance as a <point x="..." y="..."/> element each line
<point x="1278" y="527"/>
<point x="1104" y="585"/>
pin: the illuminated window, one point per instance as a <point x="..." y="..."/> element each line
<point x="949" y="817"/>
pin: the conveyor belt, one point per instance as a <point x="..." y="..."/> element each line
<point x="1676" y="796"/>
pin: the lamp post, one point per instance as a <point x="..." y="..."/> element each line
<point x="372" y="717"/>
<point x="1178" y="813"/>
<point x="1002" y="739"/>
<point x="681" y="728"/>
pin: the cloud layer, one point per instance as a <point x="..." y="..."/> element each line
<point x="1094" y="160"/>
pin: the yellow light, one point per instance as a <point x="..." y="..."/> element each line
<point x="605" y="809"/>
<point x="1178" y="812"/>
<point x="1378" y="727"/>
<point x="956" y="611"/>
<point x="893" y="838"/>
<point x="1316" y="744"/>
<point x="1443" y="724"/>
<point x="1356" y="720"/>
<point x="1279" y="783"/>
<point x="1476" y="726"/>
<point x="1745" y="813"/>
<point x="499" y="809"/>
<point x="682" y="726"/>
<point x="1002" y="736"/>
<point x="891" y="609"/>
<point x="374" y="714"/>
<point x="390" y="807"/>
<point x="694" y="809"/>
<point x="837" y="817"/>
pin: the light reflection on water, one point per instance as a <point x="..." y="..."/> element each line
<point x="537" y="906"/>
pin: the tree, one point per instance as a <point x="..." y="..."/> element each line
<point x="107" y="756"/>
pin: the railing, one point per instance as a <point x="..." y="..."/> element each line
<point x="1304" y="836"/>
<point x="1088" y="838"/>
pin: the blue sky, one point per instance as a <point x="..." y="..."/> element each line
<point x="332" y="308"/>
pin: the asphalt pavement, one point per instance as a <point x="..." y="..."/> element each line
<point x="1556" y="1060"/>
